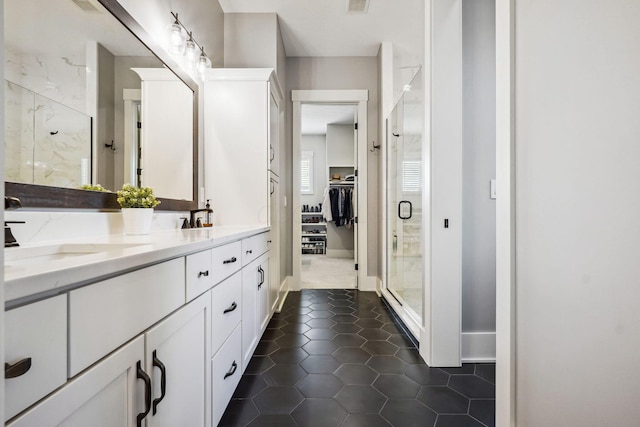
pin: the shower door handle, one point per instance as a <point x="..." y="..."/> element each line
<point x="400" y="209"/>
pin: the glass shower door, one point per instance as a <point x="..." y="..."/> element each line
<point x="404" y="204"/>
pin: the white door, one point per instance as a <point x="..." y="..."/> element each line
<point x="250" y="280"/>
<point x="263" y="295"/>
<point x="110" y="394"/>
<point x="177" y="358"/>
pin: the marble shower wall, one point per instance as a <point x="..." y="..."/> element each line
<point x="47" y="133"/>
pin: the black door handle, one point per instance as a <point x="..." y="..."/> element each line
<point x="261" y="271"/>
<point x="232" y="371"/>
<point x="141" y="374"/>
<point x="230" y="260"/>
<point x="230" y="309"/>
<point x="17" y="369"/>
<point x="400" y="209"/>
<point x="163" y="381"/>
<point x="203" y="273"/>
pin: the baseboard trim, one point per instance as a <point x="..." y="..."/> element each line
<point x="478" y="347"/>
<point x="369" y="285"/>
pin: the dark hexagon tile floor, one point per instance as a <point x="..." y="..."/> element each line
<point x="336" y="358"/>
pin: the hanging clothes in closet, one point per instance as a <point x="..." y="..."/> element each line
<point x="338" y="205"/>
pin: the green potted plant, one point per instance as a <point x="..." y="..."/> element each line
<point x="137" y="205"/>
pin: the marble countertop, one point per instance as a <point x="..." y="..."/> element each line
<point x="28" y="281"/>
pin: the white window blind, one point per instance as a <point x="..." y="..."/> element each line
<point x="306" y="172"/>
<point x="411" y="176"/>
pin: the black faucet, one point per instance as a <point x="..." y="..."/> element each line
<point x="9" y="204"/>
<point x="196" y="223"/>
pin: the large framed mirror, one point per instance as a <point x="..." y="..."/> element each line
<point x="92" y="98"/>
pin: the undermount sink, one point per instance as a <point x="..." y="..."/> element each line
<point x="23" y="256"/>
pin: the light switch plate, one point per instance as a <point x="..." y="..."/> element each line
<point x="492" y="190"/>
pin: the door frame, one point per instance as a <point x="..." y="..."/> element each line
<point x="360" y="98"/>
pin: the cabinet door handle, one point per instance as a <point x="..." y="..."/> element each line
<point x="250" y="251"/>
<point x="232" y="371"/>
<point x="163" y="381"/>
<point x="141" y="374"/>
<point x="230" y="309"/>
<point x="203" y="273"/>
<point x="17" y="369"/>
<point x="261" y="271"/>
<point x="230" y="260"/>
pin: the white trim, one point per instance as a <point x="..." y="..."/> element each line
<point x="131" y="97"/>
<point x="283" y="292"/>
<point x="359" y="97"/>
<point x="478" y="347"/>
<point x="505" y="215"/>
<point x="409" y="321"/>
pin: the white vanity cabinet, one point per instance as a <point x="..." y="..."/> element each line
<point x="163" y="345"/>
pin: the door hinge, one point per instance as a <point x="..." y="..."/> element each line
<point x="356" y="267"/>
<point x="356" y="172"/>
<point x="356" y="126"/>
<point x="139" y="171"/>
<point x="355" y="220"/>
<point x="139" y="125"/>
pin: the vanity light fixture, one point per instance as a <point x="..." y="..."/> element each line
<point x="180" y="45"/>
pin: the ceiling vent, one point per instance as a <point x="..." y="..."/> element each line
<point x="357" y="6"/>
<point x="87" y="6"/>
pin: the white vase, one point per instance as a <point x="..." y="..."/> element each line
<point x="137" y="220"/>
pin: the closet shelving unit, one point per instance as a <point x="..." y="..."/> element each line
<point x="314" y="242"/>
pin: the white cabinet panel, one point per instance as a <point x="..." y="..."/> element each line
<point x="35" y="341"/>
<point x="177" y="354"/>
<point x="226" y="309"/>
<point x="199" y="275"/>
<point x="253" y="247"/>
<point x="107" y="395"/>
<point x="107" y="314"/>
<point x="226" y="371"/>
<point x="226" y="260"/>
<point x="255" y="312"/>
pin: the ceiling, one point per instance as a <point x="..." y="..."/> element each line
<point x="323" y="28"/>
<point x="316" y="117"/>
<point x="60" y="28"/>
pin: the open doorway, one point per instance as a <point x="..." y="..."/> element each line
<point x="329" y="239"/>
<point x="328" y="243"/>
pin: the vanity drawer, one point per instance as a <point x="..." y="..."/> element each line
<point x="105" y="315"/>
<point x="226" y="312"/>
<point x="253" y="247"/>
<point x="225" y="373"/>
<point x="199" y="275"/>
<point x="225" y="260"/>
<point x="37" y="332"/>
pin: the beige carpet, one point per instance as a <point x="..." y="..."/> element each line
<point x="321" y="272"/>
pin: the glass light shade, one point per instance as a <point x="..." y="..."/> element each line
<point x="191" y="52"/>
<point x="203" y="64"/>
<point x="176" y="39"/>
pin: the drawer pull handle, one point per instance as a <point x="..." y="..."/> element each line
<point x="250" y="251"/>
<point x="230" y="309"/>
<point x="141" y="374"/>
<point x="163" y="381"/>
<point x="232" y="371"/>
<point x="203" y="273"/>
<point x="17" y="369"/>
<point x="230" y="260"/>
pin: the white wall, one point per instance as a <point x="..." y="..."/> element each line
<point x="340" y="73"/>
<point x="318" y="145"/>
<point x="478" y="166"/>
<point x="577" y="145"/>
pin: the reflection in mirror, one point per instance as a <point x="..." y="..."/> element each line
<point x="76" y="111"/>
